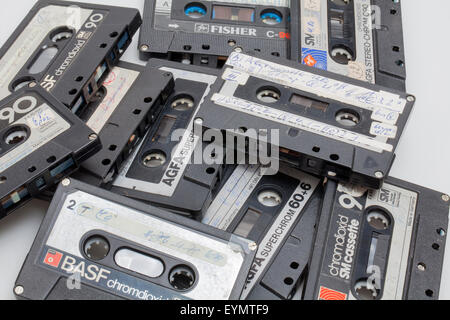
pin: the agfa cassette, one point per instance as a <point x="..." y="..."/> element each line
<point x="68" y="48"/>
<point x="94" y="244"/>
<point x="279" y="212"/>
<point x="162" y="170"/>
<point x="323" y="123"/>
<point x="379" y="244"/>
<point x="206" y="32"/>
<point x="362" y="39"/>
<point x="41" y="143"/>
<point x="128" y="103"/>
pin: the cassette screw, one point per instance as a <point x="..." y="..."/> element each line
<point x="199" y="121"/>
<point x="19" y="290"/>
<point x="252" y="246"/>
<point x="145" y="47"/>
<point x="421" y="267"/>
<point x="238" y="49"/>
<point x="32" y="84"/>
<point x="66" y="182"/>
<point x="446" y="198"/>
<point x="410" y="99"/>
<point x="379" y="175"/>
<point x="92" y="137"/>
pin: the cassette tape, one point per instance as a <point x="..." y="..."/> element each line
<point x="128" y="103"/>
<point x="41" y="142"/>
<point x="68" y="48"/>
<point x="162" y="170"/>
<point x="94" y="244"/>
<point x="206" y="32"/>
<point x="379" y="244"/>
<point x="362" y="39"/>
<point x="323" y="123"/>
<point x="279" y="212"/>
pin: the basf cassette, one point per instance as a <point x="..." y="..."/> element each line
<point x="41" y="142"/>
<point x="362" y="39"/>
<point x="128" y="103"/>
<point x="379" y="244"/>
<point x="94" y="244"/>
<point x="66" y="47"/>
<point x="206" y="32"/>
<point x="279" y="212"/>
<point x="162" y="170"/>
<point x="323" y="123"/>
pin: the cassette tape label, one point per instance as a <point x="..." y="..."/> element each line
<point x="48" y="18"/>
<point x="117" y="85"/>
<point x="322" y="86"/>
<point x="164" y="10"/>
<point x="210" y="258"/>
<point x="82" y="38"/>
<point x="76" y="269"/>
<point x="39" y="127"/>
<point x="316" y="33"/>
<point x="342" y="258"/>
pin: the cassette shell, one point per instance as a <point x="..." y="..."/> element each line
<point x="424" y="258"/>
<point x="129" y="122"/>
<point x="46" y="166"/>
<point x="387" y="38"/>
<point x="80" y="80"/>
<point x="39" y="282"/>
<point x="306" y="150"/>
<point x="192" y="194"/>
<point x="211" y="50"/>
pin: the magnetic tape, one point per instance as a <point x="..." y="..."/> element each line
<point x="68" y="48"/>
<point x="41" y="142"/>
<point x="128" y="103"/>
<point x="279" y="212"/>
<point x="162" y="170"/>
<point x="206" y="32"/>
<point x="379" y="244"/>
<point x="362" y="39"/>
<point x="94" y="244"/>
<point x="323" y="123"/>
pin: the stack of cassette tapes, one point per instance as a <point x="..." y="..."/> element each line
<point x="248" y="159"/>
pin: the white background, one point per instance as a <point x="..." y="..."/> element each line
<point x="422" y="158"/>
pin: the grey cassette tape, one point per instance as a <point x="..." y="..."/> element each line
<point x="95" y="244"/>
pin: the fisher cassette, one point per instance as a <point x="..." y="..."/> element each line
<point x="162" y="171"/>
<point x="279" y="212"/>
<point x="206" y="32"/>
<point x="68" y="48"/>
<point x="379" y="244"/>
<point x="126" y="106"/>
<point x="41" y="143"/>
<point x="94" y="244"/>
<point x="323" y="123"/>
<point x="362" y="39"/>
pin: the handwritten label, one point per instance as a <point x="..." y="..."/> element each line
<point x="302" y="123"/>
<point x="316" y="84"/>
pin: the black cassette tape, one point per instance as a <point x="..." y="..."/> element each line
<point x="379" y="244"/>
<point x="41" y="142"/>
<point x="127" y="104"/>
<point x="362" y="39"/>
<point x="68" y="48"/>
<point x="162" y="170"/>
<point x="206" y="32"/>
<point x="94" y="244"/>
<point x="323" y="123"/>
<point x="279" y="212"/>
